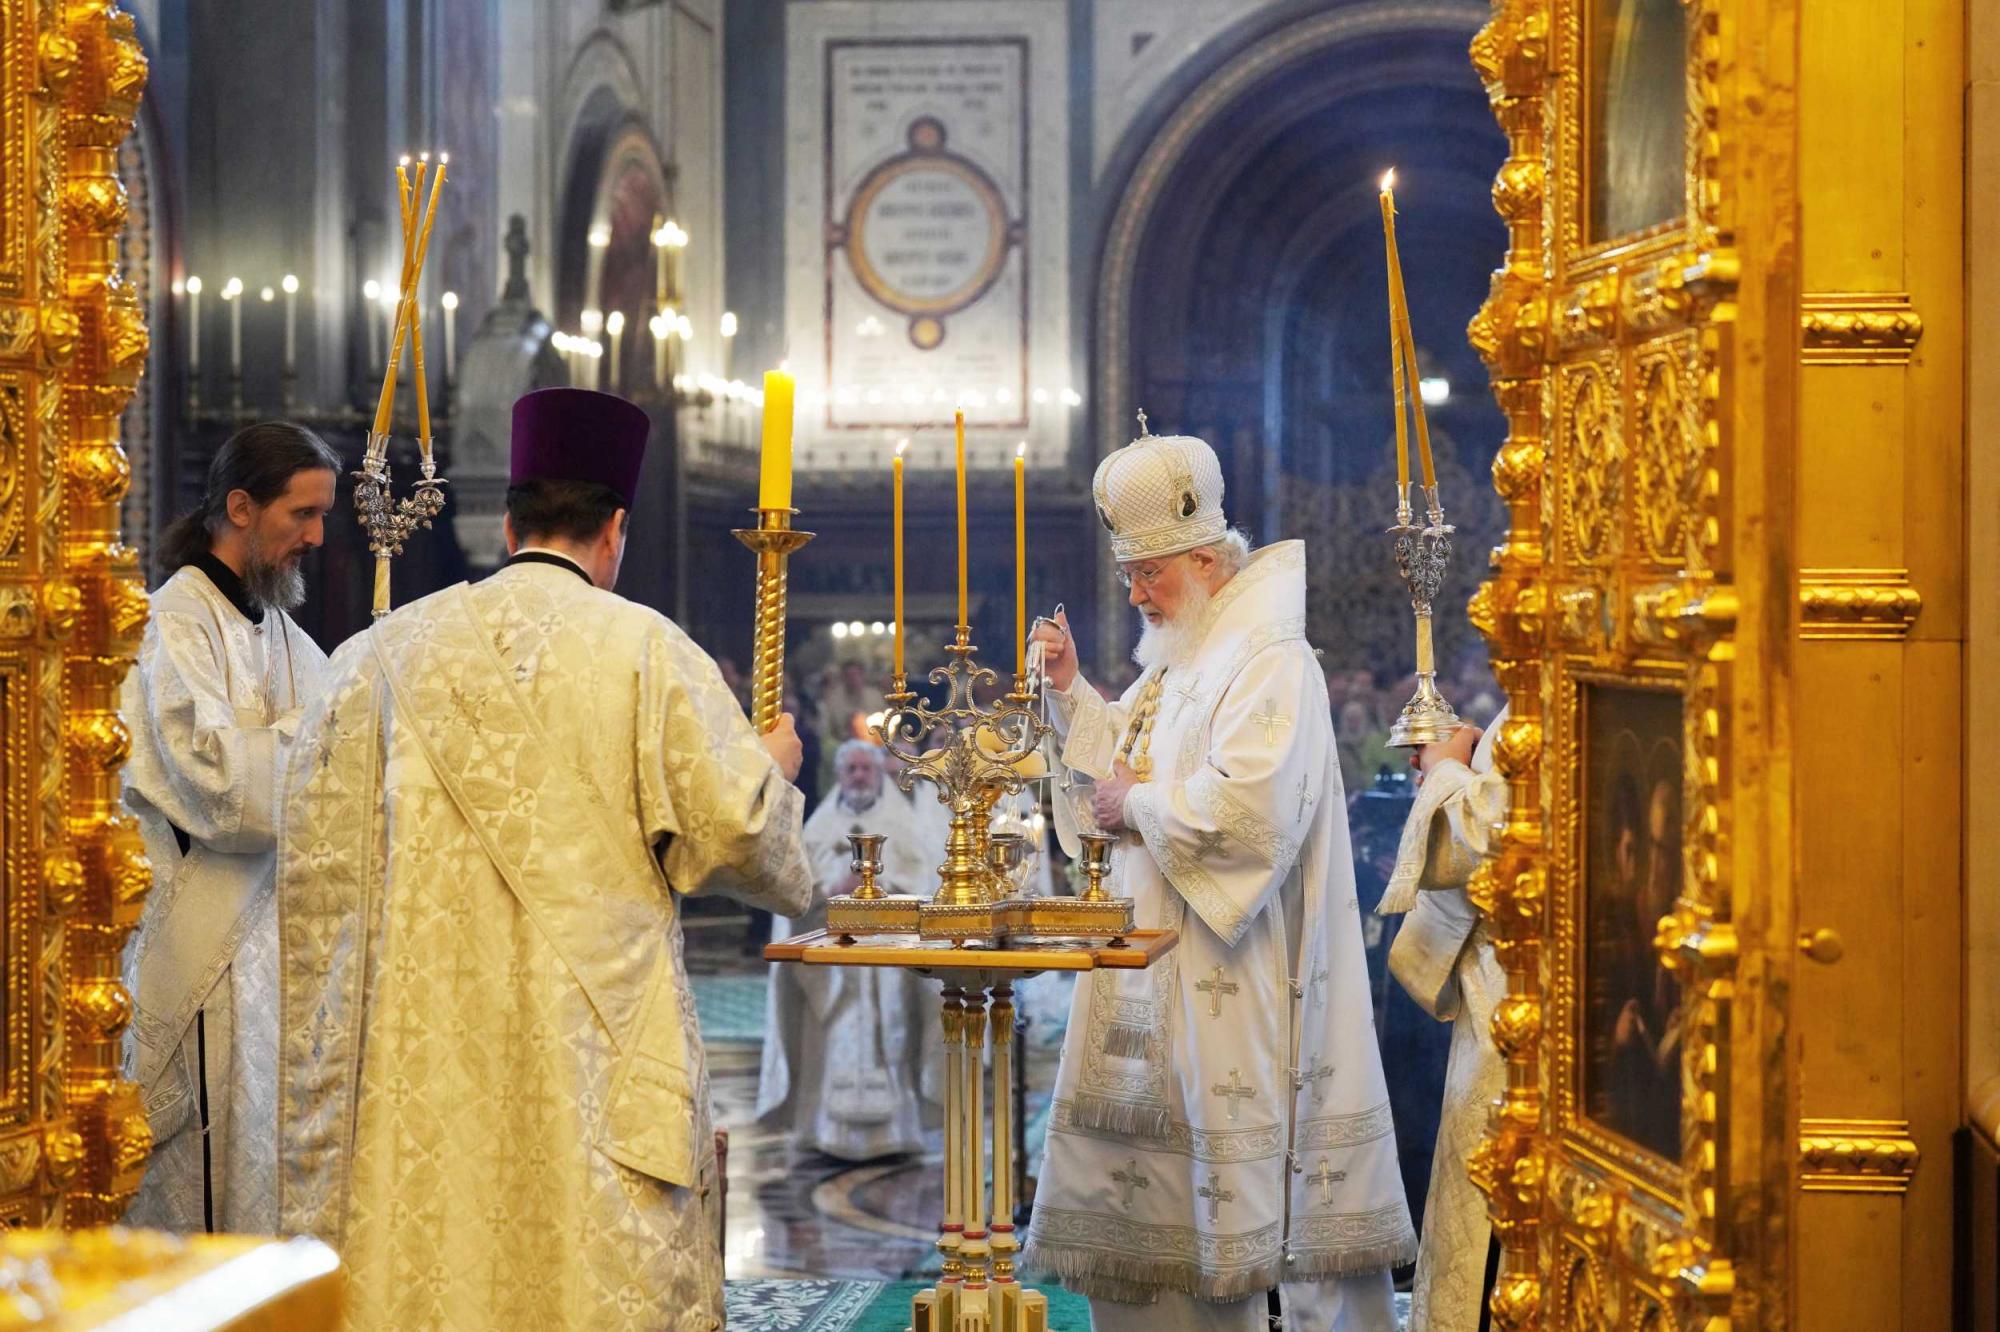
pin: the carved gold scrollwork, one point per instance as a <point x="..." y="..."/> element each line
<point x="1593" y="469"/>
<point x="1857" y="603"/>
<point x="1856" y="1155"/>
<point x="1859" y="328"/>
<point x="1667" y="449"/>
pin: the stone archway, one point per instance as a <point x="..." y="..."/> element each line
<point x="1244" y="198"/>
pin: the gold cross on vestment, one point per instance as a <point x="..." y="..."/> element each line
<point x="1235" y="1090"/>
<point x="1326" y="1177"/>
<point x="468" y="707"/>
<point x="1215" y="987"/>
<point x="1271" y="720"/>
<point x="1216" y="1195"/>
<point x="1207" y="843"/>
<point x="1131" y="1177"/>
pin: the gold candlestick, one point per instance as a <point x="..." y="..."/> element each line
<point x="1422" y="555"/>
<point x="774" y="542"/>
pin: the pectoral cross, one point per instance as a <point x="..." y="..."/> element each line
<point x="1234" y="1089"/>
<point x="1271" y="720"/>
<point x="1215" y="987"/>
<point x="1216" y="1195"/>
<point x="1326" y="1177"/>
<point x="1314" y="1076"/>
<point x="1305" y="795"/>
<point x="1131" y="1177"/>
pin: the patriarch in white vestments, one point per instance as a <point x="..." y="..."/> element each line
<point x="844" y="1060"/>
<point x="1221" y="1123"/>
<point x="1443" y="957"/>
<point x="494" y="1093"/>
<point x="213" y="707"/>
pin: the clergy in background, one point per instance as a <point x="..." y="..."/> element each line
<point x="494" y="1094"/>
<point x="213" y="706"/>
<point x="844" y="1067"/>
<point x="1221" y="1124"/>
<point x="1443" y="957"/>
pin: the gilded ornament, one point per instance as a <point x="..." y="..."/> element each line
<point x="1517" y="1024"/>
<point x="101" y="1005"/>
<point x="20" y="1160"/>
<point x="1856" y="1155"/>
<point x="1517" y="189"/>
<point x="1593" y="468"/>
<point x="62" y="603"/>
<point x="101" y="469"/>
<point x="96" y="204"/>
<point x="1581" y="619"/>
<point x="62" y="1148"/>
<point x="62" y="879"/>
<point x="1857" y="603"/>
<point x="1519" y="747"/>
<point x="131" y="1139"/>
<point x="18" y="616"/>
<point x="1517" y="1300"/>
<point x="57" y="56"/>
<point x="1517" y="470"/>
<point x="1859" y="328"/>
<point x="61" y="332"/>
<point x="98" y="740"/>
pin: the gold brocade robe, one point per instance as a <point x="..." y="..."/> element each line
<point x="495" y="1102"/>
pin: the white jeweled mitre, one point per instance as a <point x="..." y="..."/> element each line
<point x="1160" y="495"/>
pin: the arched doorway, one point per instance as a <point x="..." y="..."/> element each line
<point x="1241" y="296"/>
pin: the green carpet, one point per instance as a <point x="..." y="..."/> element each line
<point x="731" y="1008"/>
<point x="857" y="1306"/>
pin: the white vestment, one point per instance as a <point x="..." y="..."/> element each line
<point x="1220" y="1122"/>
<point x="212" y="706"/>
<point x="1443" y="957"/>
<point x="494" y="1096"/>
<point x="845" y="1048"/>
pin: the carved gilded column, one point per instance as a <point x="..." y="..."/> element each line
<point x="1510" y="332"/>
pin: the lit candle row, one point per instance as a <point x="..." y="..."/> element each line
<point x="233" y="296"/>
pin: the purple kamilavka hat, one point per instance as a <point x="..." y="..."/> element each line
<point x="572" y="434"/>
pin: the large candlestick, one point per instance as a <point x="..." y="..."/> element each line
<point x="896" y="515"/>
<point x="1021" y="565"/>
<point x="194" y="325"/>
<point x="291" y="286"/>
<point x="774" y="484"/>
<point x="964" y="622"/>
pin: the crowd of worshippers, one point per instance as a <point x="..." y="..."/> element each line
<point x="410" y="979"/>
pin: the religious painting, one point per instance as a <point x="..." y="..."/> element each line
<point x="1637" y="116"/>
<point x="1630" y="1010"/>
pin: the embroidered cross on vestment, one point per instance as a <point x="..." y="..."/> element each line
<point x="1234" y="1090"/>
<point x="1305" y="795"/>
<point x="1216" y="1195"/>
<point x="1215" y="987"/>
<point x="1271" y="720"/>
<point x="1326" y="1177"/>
<point x="1315" y="1076"/>
<point x="1207" y="844"/>
<point x="1130" y="1178"/>
<point x="1318" y="980"/>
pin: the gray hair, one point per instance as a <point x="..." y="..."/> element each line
<point x="1232" y="552"/>
<point x="856" y="746"/>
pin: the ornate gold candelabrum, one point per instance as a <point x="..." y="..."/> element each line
<point x="774" y="543"/>
<point x="1422" y="556"/>
<point x="973" y="755"/>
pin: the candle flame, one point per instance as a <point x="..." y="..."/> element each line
<point x="444" y="159"/>
<point x="1389" y="180"/>
<point x="1022" y="450"/>
<point x="267" y="295"/>
<point x="614" y="323"/>
<point x="232" y="289"/>
<point x="424" y="157"/>
<point x="902" y="447"/>
<point x="449" y="300"/>
<point x="290" y="284"/>
<point x="194" y="285"/>
<point x="403" y="161"/>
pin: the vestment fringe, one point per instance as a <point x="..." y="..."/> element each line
<point x="1107" y="1115"/>
<point x="1125" y="1041"/>
<point x="1136" y="1278"/>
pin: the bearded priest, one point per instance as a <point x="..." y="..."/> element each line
<point x="494" y="1094"/>
<point x="213" y="706"/>
<point x="1220" y="1125"/>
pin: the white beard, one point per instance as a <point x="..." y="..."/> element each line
<point x="1173" y="642"/>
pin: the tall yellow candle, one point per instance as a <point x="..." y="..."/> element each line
<point x="774" y="483"/>
<point x="964" y="623"/>
<point x="1397" y="320"/>
<point x="896" y="507"/>
<point x="1021" y="560"/>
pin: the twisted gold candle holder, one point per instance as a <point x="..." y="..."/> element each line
<point x="1422" y="556"/>
<point x="774" y="543"/>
